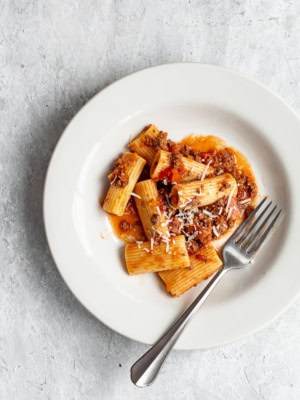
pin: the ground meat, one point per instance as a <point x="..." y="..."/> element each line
<point x="196" y="156"/>
<point x="222" y="161"/>
<point x="163" y="195"/>
<point x="170" y="144"/>
<point x="246" y="188"/>
<point x="118" y="161"/>
<point x="203" y="221"/>
<point x="155" y="218"/>
<point x="203" y="225"/>
<point x="190" y="230"/>
<point x="162" y="141"/>
<point x="124" y="225"/>
<point x="252" y="189"/>
<point x="218" y="206"/>
<point x="149" y="142"/>
<point x="174" y="226"/>
<point x="227" y="159"/>
<point x="178" y="170"/>
<point x="240" y="177"/>
<point x="241" y="193"/>
<point x="176" y="160"/>
<point x="205" y="235"/>
<point x="205" y="158"/>
<point x="119" y="177"/>
<point x="185" y="150"/>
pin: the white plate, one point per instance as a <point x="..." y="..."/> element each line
<point x="180" y="99"/>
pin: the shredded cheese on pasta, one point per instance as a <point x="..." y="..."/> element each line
<point x="215" y="231"/>
<point x="229" y="199"/>
<point x="135" y="195"/>
<point x="205" y="171"/>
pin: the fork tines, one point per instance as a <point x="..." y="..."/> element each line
<point x="254" y="231"/>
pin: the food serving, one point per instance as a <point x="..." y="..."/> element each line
<point x="171" y="202"/>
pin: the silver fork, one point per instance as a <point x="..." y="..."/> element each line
<point x="238" y="252"/>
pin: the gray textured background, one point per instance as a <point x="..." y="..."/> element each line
<point x="54" y="55"/>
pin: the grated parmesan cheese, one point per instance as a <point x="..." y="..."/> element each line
<point x="169" y="204"/>
<point x="229" y="213"/>
<point x="184" y="205"/>
<point x="135" y="195"/>
<point x="193" y="236"/>
<point x="244" y="201"/>
<point x="205" y="170"/>
<point x="113" y="181"/>
<point x="167" y="247"/>
<point x="216" y="233"/>
<point x="229" y="199"/>
<point x="167" y="241"/>
<point x="209" y="214"/>
<point x="151" y="243"/>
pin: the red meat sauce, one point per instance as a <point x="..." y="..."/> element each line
<point x="213" y="221"/>
<point x="199" y="225"/>
<point x="128" y="227"/>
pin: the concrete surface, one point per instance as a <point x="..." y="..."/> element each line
<point x="54" y="55"/>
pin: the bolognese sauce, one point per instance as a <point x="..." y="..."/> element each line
<point x="199" y="225"/>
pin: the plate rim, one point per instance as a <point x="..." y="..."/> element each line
<point x="66" y="131"/>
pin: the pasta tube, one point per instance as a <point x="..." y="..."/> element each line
<point x="203" y="192"/>
<point x="203" y="264"/>
<point x="140" y="144"/>
<point x="129" y="169"/>
<point x="142" y="257"/>
<point x="181" y="169"/>
<point x="147" y="203"/>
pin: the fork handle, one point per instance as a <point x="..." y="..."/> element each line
<point x="146" y="368"/>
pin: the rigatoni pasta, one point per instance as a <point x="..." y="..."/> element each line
<point x="143" y="145"/>
<point x="144" y="257"/>
<point x="147" y="202"/>
<point x="123" y="180"/>
<point x="203" y="264"/>
<point x="203" y="192"/>
<point x="177" y="168"/>
<point x="171" y="201"/>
